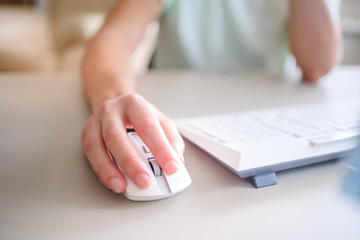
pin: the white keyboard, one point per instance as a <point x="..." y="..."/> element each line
<point x="259" y="143"/>
<point x="317" y="122"/>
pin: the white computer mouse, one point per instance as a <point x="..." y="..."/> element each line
<point x="162" y="185"/>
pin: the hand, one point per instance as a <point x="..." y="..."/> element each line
<point x="106" y="130"/>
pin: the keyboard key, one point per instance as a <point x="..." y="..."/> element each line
<point x="306" y="121"/>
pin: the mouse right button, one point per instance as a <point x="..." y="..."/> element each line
<point x="179" y="180"/>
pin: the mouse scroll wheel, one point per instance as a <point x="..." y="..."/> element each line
<point x="155" y="167"/>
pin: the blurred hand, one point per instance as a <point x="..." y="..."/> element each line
<point x="106" y="130"/>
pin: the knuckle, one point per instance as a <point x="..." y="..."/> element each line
<point x="127" y="163"/>
<point x="147" y="124"/>
<point x="111" y="134"/>
<point x="106" y="106"/>
<point x="133" y="99"/>
<point x="87" y="137"/>
<point x="83" y="135"/>
<point x="89" y="143"/>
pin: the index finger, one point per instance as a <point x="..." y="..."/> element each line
<point x="148" y="127"/>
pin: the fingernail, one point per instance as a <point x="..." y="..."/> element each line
<point x="116" y="185"/>
<point x="142" y="180"/>
<point x="171" y="167"/>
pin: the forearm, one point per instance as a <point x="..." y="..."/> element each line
<point x="106" y="70"/>
<point x="315" y="39"/>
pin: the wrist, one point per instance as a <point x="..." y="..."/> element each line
<point x="102" y="84"/>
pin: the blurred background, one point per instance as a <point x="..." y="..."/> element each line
<point x="49" y="35"/>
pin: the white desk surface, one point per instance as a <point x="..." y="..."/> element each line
<point x="48" y="190"/>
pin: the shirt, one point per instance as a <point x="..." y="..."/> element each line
<point x="224" y="34"/>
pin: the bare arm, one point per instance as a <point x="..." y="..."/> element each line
<point x="110" y="87"/>
<point x="315" y="39"/>
<point x="105" y="68"/>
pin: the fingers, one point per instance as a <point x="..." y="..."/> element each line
<point x="172" y="135"/>
<point x="99" y="159"/>
<point x="118" y="143"/>
<point x="106" y="131"/>
<point x="146" y="123"/>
